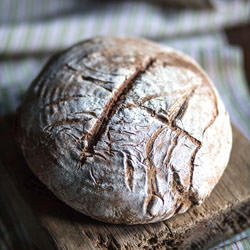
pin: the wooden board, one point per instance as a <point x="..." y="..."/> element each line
<point x="225" y="213"/>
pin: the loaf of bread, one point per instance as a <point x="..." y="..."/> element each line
<point x="125" y="130"/>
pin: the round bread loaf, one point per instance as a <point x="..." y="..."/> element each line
<point x="125" y="130"/>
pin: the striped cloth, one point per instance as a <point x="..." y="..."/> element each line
<point x="238" y="242"/>
<point x="31" y="30"/>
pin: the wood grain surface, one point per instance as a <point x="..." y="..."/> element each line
<point x="224" y="213"/>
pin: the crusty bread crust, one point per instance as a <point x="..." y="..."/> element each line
<point x="125" y="130"/>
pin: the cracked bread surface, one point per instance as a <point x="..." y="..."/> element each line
<point x="125" y="130"/>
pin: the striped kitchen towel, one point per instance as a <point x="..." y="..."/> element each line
<point x="32" y="30"/>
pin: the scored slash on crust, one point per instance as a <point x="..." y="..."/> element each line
<point x="109" y="109"/>
<point x="175" y="111"/>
